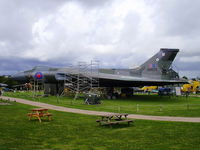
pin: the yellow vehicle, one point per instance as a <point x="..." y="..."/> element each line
<point x="149" y="88"/>
<point x="192" y="87"/>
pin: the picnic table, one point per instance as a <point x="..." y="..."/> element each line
<point x="114" y="118"/>
<point x="39" y="113"/>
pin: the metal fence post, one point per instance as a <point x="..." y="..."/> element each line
<point x="137" y="107"/>
<point x="161" y="107"/>
<point x="119" y="108"/>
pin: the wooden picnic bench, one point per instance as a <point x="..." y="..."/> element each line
<point x="39" y="113"/>
<point x="115" y="118"/>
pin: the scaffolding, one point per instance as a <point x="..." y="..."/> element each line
<point x="82" y="78"/>
<point x="37" y="85"/>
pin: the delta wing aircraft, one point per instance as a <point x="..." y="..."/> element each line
<point x="155" y="71"/>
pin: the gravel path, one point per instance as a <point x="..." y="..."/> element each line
<point x="99" y="113"/>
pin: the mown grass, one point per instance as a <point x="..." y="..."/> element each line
<point x="68" y="131"/>
<point x="138" y="104"/>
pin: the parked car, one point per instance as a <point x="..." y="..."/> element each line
<point x="8" y="90"/>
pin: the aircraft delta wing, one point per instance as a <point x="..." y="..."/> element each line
<point x="109" y="80"/>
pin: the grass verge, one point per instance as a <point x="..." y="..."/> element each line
<point x="68" y="131"/>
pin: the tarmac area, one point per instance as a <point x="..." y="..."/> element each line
<point x="99" y="113"/>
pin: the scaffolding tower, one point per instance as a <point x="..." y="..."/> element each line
<point x="82" y="78"/>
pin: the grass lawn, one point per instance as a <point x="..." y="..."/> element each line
<point x="68" y="131"/>
<point x="138" y="104"/>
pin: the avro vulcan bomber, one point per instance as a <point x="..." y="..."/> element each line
<point x="155" y="71"/>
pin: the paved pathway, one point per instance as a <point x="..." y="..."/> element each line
<point x="98" y="113"/>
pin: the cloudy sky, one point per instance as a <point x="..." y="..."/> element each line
<point x="118" y="33"/>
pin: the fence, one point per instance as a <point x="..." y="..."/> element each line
<point x="139" y="108"/>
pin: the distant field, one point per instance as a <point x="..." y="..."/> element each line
<point x="138" y="104"/>
<point x="68" y="131"/>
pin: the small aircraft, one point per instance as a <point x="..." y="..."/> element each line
<point x="3" y="85"/>
<point x="156" y="71"/>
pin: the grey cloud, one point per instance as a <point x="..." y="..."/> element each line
<point x="130" y="31"/>
<point x="192" y="66"/>
<point x="93" y="3"/>
<point x="16" y="21"/>
<point x="178" y="18"/>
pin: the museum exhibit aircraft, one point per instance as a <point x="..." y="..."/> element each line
<point x="156" y="71"/>
<point x="3" y="85"/>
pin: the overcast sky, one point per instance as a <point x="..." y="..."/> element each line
<point x="118" y="33"/>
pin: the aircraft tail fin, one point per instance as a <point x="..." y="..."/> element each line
<point x="159" y="66"/>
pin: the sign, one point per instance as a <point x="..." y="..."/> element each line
<point x="178" y="91"/>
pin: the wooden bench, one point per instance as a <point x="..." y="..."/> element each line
<point x="114" y="118"/>
<point x="38" y="113"/>
<point x="102" y="122"/>
<point x="48" y="115"/>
